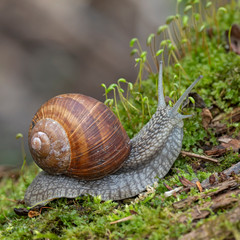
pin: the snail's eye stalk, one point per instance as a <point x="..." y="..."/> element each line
<point x="161" y="100"/>
<point x="175" y="108"/>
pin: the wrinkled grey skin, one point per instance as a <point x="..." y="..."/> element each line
<point x="153" y="151"/>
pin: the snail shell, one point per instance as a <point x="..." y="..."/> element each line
<point x="77" y="136"/>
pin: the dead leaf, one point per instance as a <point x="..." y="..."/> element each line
<point x="133" y="212"/>
<point x="212" y="179"/>
<point x="185" y="182"/>
<point x="170" y="188"/>
<point x="206" y="118"/>
<point x="216" y="151"/>
<point x="199" y="186"/>
<point x="233" y="144"/>
<point x="224" y="139"/>
<point x="33" y="213"/>
<point x="167" y="186"/>
<point x="227" y="144"/>
<point x="172" y="192"/>
<point x="233" y="116"/>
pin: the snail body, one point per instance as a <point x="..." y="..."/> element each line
<point x="148" y="155"/>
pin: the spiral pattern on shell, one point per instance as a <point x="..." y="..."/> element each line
<point x="78" y="136"/>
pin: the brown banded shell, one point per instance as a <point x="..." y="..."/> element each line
<point x="78" y="136"/>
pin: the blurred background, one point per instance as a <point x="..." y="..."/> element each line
<point x="53" y="47"/>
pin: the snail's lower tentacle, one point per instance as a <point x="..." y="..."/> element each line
<point x="125" y="183"/>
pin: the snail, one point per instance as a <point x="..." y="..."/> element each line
<point x="83" y="149"/>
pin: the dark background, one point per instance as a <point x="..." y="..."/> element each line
<point x="53" y="47"/>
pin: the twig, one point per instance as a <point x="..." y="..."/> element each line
<point x="10" y="200"/>
<point x="189" y="154"/>
<point x="122" y="220"/>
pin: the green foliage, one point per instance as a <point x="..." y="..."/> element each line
<point x="225" y="162"/>
<point x="193" y="132"/>
<point x="88" y="217"/>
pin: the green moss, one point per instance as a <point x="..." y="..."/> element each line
<point x="225" y="162"/>
<point x="87" y="217"/>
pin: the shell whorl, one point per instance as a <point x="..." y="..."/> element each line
<point x="49" y="144"/>
<point x="40" y="143"/>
